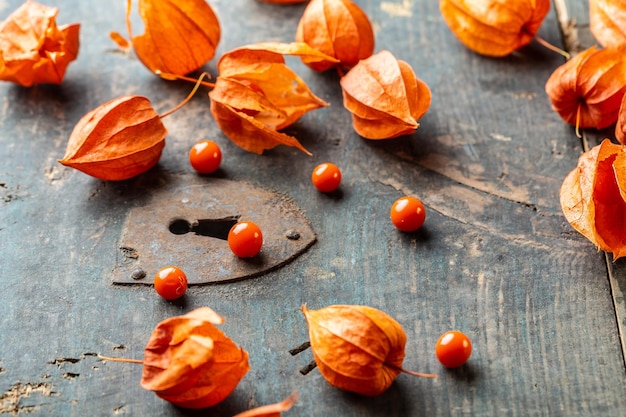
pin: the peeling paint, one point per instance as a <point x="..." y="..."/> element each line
<point x="10" y="401"/>
<point x="397" y="9"/>
<point x="502" y="138"/>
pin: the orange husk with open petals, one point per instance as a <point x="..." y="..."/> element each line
<point x="33" y="49"/>
<point x="607" y="19"/>
<point x="271" y="410"/>
<point x="338" y="28"/>
<point x="180" y="36"/>
<point x="593" y="197"/>
<point x="191" y="363"/>
<point x="357" y="348"/>
<point x="385" y="97"/>
<point x="256" y="95"/>
<point x="494" y="27"/>
<point x="587" y="90"/>
<point x="119" y="139"/>
<point x="620" y="126"/>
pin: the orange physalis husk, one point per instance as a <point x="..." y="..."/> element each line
<point x="607" y="20"/>
<point x="593" y="197"/>
<point x="620" y="127"/>
<point x="256" y="95"/>
<point x="494" y="27"/>
<point x="180" y="36"/>
<point x="385" y="97"/>
<point x="190" y="363"/>
<point x="357" y="348"/>
<point x="119" y="139"/>
<point x="272" y="410"/>
<point x="33" y="49"/>
<point x="338" y="28"/>
<point x="587" y="90"/>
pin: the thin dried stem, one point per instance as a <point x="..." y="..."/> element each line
<point x="418" y="374"/>
<point x="129" y="7"/>
<point x="107" y="358"/>
<point x="578" y="135"/>
<point x="411" y="372"/>
<point x="186" y="100"/>
<point x="173" y="77"/>
<point x="552" y="47"/>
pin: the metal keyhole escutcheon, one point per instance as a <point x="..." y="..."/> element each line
<point x="187" y="226"/>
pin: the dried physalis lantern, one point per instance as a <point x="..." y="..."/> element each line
<point x="256" y="95"/>
<point x="338" y="28"/>
<point x="357" y="348"/>
<point x="607" y="19"/>
<point x="385" y="97"/>
<point x="494" y="27"/>
<point x="119" y="139"/>
<point x="180" y="36"/>
<point x="190" y="362"/>
<point x="593" y="197"/>
<point x="33" y="49"/>
<point x="587" y="90"/>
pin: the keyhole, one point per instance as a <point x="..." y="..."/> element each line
<point x="217" y="228"/>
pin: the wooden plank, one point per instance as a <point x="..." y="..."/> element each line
<point x="495" y="259"/>
<point x="578" y="13"/>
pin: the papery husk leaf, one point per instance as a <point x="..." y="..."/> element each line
<point x="121" y="42"/>
<point x="256" y="95"/>
<point x="385" y="97"/>
<point x="248" y="98"/>
<point x="620" y="126"/>
<point x="607" y="20"/>
<point x="33" y="49"/>
<point x="272" y="410"/>
<point x="266" y="71"/>
<point x="180" y="36"/>
<point x="587" y="90"/>
<point x="119" y="139"/>
<point x="338" y="28"/>
<point x="494" y="27"/>
<point x="247" y="133"/>
<point x="246" y="58"/>
<point x="592" y="197"/>
<point x="284" y="89"/>
<point x="191" y="363"/>
<point x="356" y="348"/>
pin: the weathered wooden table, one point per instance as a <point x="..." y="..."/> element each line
<point x="495" y="259"/>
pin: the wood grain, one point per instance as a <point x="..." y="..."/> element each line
<point x="579" y="12"/>
<point x="495" y="259"/>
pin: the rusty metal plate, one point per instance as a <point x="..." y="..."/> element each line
<point x="187" y="225"/>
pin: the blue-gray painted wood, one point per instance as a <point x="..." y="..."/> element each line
<point x="495" y="259"/>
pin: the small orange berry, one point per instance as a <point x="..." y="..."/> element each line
<point x="326" y="177"/>
<point x="408" y="214"/>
